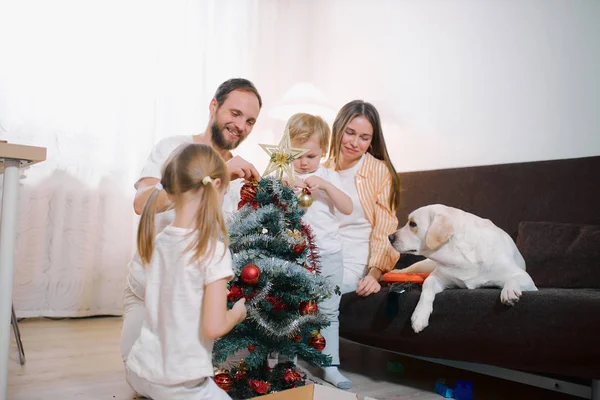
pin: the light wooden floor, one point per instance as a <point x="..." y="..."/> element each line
<point x="80" y="359"/>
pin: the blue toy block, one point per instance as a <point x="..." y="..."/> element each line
<point x="463" y="390"/>
<point x="444" y="390"/>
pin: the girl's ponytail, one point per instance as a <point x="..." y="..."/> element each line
<point x="145" y="235"/>
<point x="209" y="222"/>
<point x="191" y="170"/>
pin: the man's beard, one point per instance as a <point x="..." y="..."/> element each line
<point x="218" y="138"/>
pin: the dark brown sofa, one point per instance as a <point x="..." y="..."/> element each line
<point x="552" y="210"/>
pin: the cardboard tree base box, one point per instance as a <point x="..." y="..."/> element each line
<point x="310" y="392"/>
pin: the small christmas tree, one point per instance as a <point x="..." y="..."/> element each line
<point x="276" y="267"/>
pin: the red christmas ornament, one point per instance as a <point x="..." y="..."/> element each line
<point x="251" y="348"/>
<point x="239" y="375"/>
<point x="278" y="304"/>
<point x="250" y="274"/>
<point x="248" y="195"/>
<point x="223" y="379"/>
<point x="260" y="387"/>
<point x="235" y="293"/>
<point x="291" y="376"/>
<point x="308" y="307"/>
<point x="297" y="338"/>
<point x="317" y="341"/>
<point x="299" y="248"/>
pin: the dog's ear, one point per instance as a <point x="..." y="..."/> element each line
<point x="440" y="230"/>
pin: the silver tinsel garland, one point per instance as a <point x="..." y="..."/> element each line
<point x="260" y="296"/>
<point x="277" y="268"/>
<point x="248" y="220"/>
<point x="283" y="329"/>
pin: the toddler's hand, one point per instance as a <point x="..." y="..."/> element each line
<point x="315" y="183"/>
<point x="239" y="309"/>
<point x="296" y="183"/>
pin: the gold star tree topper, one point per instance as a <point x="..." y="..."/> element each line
<point x="282" y="156"/>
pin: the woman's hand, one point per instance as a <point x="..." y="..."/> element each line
<point x="370" y="283"/>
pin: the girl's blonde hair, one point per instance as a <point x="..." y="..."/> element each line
<point x="302" y="126"/>
<point x="377" y="149"/>
<point x="190" y="168"/>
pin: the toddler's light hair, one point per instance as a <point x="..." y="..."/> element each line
<point x="302" y="126"/>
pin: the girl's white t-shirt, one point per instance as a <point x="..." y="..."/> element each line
<point x="153" y="169"/>
<point x="171" y="348"/>
<point x="355" y="229"/>
<point x="320" y="216"/>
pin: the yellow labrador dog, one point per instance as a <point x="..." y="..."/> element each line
<point x="462" y="250"/>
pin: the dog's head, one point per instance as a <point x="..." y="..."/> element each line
<point x="426" y="230"/>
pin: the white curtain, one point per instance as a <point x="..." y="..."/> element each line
<point x="98" y="82"/>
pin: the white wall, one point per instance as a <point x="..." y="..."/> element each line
<point x="98" y="83"/>
<point x="462" y="83"/>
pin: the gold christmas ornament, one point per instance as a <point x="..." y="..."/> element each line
<point x="242" y="366"/>
<point x="282" y="156"/>
<point x="295" y="234"/>
<point x="220" y="371"/>
<point x="305" y="200"/>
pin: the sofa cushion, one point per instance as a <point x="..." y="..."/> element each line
<point x="561" y="255"/>
<point x="552" y="331"/>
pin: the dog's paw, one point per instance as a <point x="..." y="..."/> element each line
<point x="510" y="295"/>
<point x="420" y="320"/>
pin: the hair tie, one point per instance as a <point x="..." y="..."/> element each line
<point x="206" y="180"/>
<point x="159" y="186"/>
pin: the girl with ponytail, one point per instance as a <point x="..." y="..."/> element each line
<point x="187" y="268"/>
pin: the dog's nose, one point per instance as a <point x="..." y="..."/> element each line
<point x="392" y="237"/>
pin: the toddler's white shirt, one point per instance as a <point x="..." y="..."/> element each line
<point x="320" y="216"/>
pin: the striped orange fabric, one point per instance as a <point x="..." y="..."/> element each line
<point x="374" y="184"/>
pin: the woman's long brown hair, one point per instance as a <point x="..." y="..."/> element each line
<point x="186" y="171"/>
<point x="377" y="149"/>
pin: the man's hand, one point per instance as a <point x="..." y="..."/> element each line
<point x="240" y="168"/>
<point x="145" y="187"/>
<point x="370" y="283"/>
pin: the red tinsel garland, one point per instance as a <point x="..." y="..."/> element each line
<point x="314" y="259"/>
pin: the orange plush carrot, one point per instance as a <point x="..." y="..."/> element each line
<point x="417" y="278"/>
